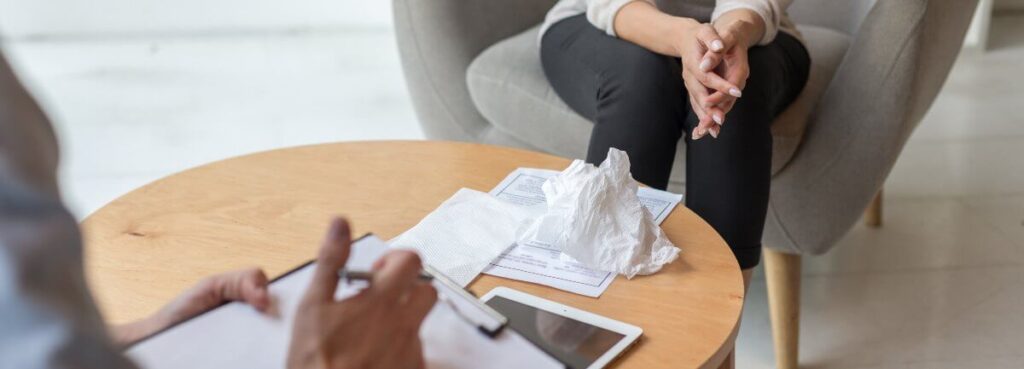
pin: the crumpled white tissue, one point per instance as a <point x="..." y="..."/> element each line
<point x="595" y="216"/>
<point x="462" y="236"/>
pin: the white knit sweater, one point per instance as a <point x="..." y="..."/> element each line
<point x="601" y="13"/>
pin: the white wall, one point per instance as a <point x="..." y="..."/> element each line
<point x="43" y="18"/>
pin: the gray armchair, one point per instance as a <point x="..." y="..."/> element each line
<point x="474" y="75"/>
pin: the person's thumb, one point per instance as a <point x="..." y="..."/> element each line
<point x="333" y="255"/>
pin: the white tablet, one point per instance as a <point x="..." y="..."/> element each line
<point x="578" y="339"/>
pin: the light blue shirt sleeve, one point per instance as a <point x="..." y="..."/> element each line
<point x="47" y="316"/>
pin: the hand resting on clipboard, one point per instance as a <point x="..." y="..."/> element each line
<point x="236" y="336"/>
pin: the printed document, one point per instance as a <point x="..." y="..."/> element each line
<point x="541" y="263"/>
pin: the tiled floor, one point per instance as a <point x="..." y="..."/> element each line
<point x="937" y="287"/>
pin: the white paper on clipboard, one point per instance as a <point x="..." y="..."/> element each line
<point x="541" y="263"/>
<point x="237" y="336"/>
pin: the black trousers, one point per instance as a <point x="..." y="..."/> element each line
<point x="638" y="103"/>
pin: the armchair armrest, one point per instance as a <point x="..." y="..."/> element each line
<point x="438" y="39"/>
<point x="898" y="61"/>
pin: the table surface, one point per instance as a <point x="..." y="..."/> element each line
<point x="271" y="209"/>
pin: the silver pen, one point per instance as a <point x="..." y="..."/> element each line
<point x="362" y="275"/>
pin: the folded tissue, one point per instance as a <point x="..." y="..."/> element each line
<point x="462" y="236"/>
<point x="595" y="216"/>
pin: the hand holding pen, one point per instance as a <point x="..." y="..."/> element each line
<point x="474" y="312"/>
<point x="378" y="327"/>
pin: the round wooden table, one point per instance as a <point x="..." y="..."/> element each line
<point x="271" y="209"/>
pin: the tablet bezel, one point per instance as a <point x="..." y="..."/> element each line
<point x="631" y="333"/>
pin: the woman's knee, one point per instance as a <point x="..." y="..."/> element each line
<point x="775" y="77"/>
<point x="640" y="76"/>
<point x="643" y="97"/>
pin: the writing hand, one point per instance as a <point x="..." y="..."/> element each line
<point x="376" y="328"/>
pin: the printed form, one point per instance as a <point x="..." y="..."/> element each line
<point x="541" y="263"/>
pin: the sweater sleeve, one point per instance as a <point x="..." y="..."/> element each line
<point x="601" y="13"/>
<point x="771" y="11"/>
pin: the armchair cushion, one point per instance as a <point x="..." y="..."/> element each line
<point x="507" y="84"/>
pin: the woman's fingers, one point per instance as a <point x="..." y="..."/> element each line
<point x="695" y="91"/>
<point x="709" y="38"/>
<point x="714" y="72"/>
<point x="728" y="38"/>
<point x="717" y="98"/>
<point x="707" y="126"/>
<point x="716" y="114"/>
<point x="707" y="120"/>
<point x="736" y="70"/>
<point x="702" y="68"/>
<point x="704" y="122"/>
<point x="710" y="61"/>
<point x="697" y="132"/>
<point x="709" y="78"/>
<point x="703" y="128"/>
<point x="698" y="92"/>
<point x="718" y="105"/>
<point x="715" y="82"/>
<point x="727" y="106"/>
<point x="701" y="62"/>
<point x="697" y="110"/>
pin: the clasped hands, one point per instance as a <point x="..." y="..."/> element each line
<point x="378" y="327"/>
<point x="715" y="71"/>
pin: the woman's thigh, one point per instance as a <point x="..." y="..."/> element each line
<point x="635" y="98"/>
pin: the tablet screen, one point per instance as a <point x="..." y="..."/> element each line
<point x="573" y="342"/>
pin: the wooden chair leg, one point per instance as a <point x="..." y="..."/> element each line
<point x="782" y="273"/>
<point x="873" y="214"/>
